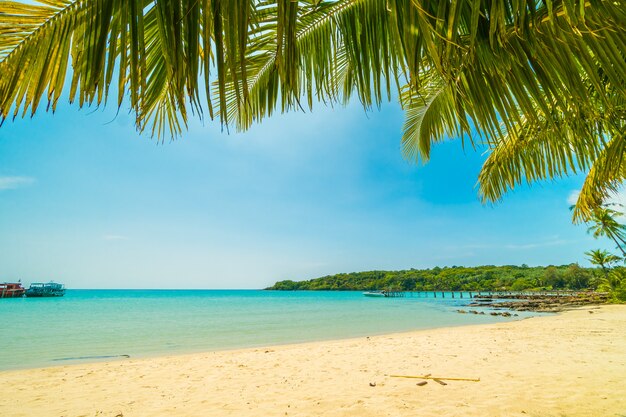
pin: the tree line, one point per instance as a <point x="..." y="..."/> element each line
<point x="608" y="276"/>
<point x="457" y="278"/>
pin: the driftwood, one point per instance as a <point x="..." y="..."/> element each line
<point x="435" y="378"/>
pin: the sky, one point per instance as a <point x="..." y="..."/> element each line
<point x="87" y="201"/>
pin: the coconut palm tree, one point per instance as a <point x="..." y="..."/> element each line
<point x="604" y="224"/>
<point x="604" y="259"/>
<point x="540" y="84"/>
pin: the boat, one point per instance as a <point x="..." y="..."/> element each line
<point x="374" y="294"/>
<point x="11" y="290"/>
<point x="48" y="289"/>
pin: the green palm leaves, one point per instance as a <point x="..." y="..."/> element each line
<point x="153" y="52"/>
<point x="604" y="224"/>
<point x="543" y="83"/>
<point x="540" y="84"/>
<point x="603" y="259"/>
<point x="309" y="51"/>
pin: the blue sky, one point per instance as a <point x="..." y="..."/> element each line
<point x="86" y="200"/>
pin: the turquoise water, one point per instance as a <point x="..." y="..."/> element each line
<point x="86" y="325"/>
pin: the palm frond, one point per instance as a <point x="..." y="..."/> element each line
<point x="543" y="83"/>
<point x="538" y="150"/>
<point x="332" y="48"/>
<point x="34" y="52"/>
<point x="505" y="61"/>
<point x="157" y="49"/>
<point x="430" y="116"/>
<point x="603" y="180"/>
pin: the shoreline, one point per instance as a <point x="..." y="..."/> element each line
<point x="122" y="357"/>
<point x="310" y="321"/>
<point x="568" y="364"/>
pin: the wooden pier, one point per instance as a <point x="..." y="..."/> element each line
<point x="389" y="293"/>
<point x="478" y="294"/>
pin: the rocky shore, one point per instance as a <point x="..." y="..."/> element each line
<point x="544" y="303"/>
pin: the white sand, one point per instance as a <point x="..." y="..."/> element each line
<point x="572" y="364"/>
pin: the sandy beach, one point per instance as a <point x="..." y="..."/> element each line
<point x="571" y="364"/>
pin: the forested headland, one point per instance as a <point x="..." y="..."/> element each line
<point x="456" y="278"/>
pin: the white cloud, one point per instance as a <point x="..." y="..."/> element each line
<point x="573" y="197"/>
<point x="9" y="183"/>
<point x="619" y="199"/>
<point x="115" y="237"/>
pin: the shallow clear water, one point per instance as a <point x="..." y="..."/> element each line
<point x="87" y="324"/>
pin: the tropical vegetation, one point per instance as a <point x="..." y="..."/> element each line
<point x="608" y="276"/>
<point x="612" y="279"/>
<point x="455" y="278"/>
<point x="539" y="84"/>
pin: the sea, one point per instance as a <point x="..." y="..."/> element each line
<point x="96" y="325"/>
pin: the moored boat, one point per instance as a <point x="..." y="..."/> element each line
<point x="48" y="289"/>
<point x="11" y="290"/>
<point x="374" y="294"/>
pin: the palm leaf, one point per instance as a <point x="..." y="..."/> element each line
<point x="430" y="116"/>
<point x="331" y="48"/>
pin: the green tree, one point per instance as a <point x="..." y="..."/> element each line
<point x="553" y="277"/>
<point x="475" y="278"/>
<point x="576" y="277"/>
<point x="615" y="284"/>
<point x="521" y="284"/>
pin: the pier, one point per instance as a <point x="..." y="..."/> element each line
<point x="479" y="294"/>
<point x="393" y="294"/>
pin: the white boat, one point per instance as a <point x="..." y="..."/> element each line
<point x="374" y="294"/>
